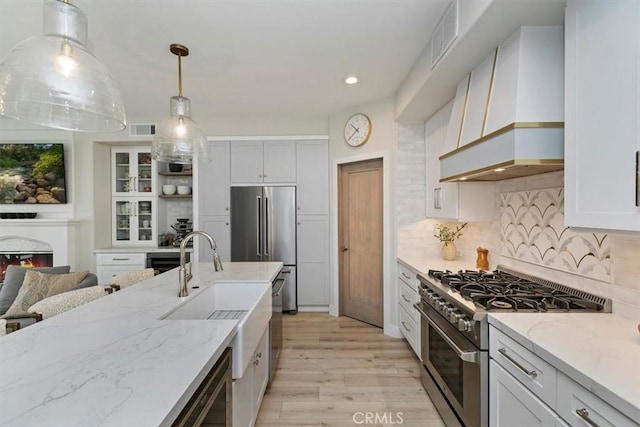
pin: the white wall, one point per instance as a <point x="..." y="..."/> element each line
<point x="382" y="144"/>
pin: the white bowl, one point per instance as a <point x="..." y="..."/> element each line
<point x="168" y="189"/>
<point x="184" y="189"/>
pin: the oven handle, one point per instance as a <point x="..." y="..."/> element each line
<point x="467" y="356"/>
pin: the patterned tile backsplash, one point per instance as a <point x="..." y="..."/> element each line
<point x="533" y="230"/>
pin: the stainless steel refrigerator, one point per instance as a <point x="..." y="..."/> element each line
<point x="263" y="228"/>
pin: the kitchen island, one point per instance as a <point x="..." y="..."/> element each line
<point x="113" y="362"/>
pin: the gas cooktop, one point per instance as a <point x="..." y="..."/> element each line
<point x="510" y="291"/>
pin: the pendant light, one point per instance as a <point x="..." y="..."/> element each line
<point x="178" y="139"/>
<point x="54" y="80"/>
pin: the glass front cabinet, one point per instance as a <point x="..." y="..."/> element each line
<point x="132" y="172"/>
<point x="133" y="221"/>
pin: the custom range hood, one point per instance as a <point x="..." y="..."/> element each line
<point x="508" y="115"/>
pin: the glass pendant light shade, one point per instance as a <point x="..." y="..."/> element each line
<point x="179" y="139"/>
<point x="54" y="80"/>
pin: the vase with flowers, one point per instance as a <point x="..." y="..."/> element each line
<point x="447" y="236"/>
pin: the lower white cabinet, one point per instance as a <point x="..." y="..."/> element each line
<point x="525" y="390"/>
<point x="313" y="260"/>
<point x="408" y="316"/>
<point x="109" y="265"/>
<point x="579" y="407"/>
<point x="249" y="389"/>
<point x="511" y="404"/>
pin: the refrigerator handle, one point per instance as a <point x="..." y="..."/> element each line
<point x="266" y="226"/>
<point x="259" y="226"/>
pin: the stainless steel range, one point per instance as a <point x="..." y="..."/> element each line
<point x="455" y="332"/>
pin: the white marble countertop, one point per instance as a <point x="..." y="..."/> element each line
<point x="111" y="362"/>
<point x="601" y="352"/>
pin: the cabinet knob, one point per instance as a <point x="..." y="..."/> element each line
<point x="226" y="223"/>
<point x="227" y="208"/>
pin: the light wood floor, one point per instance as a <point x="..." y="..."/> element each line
<point x="335" y="370"/>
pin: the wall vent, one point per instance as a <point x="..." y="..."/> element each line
<point x="142" y="129"/>
<point x="445" y="33"/>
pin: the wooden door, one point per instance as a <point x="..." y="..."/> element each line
<point x="360" y="239"/>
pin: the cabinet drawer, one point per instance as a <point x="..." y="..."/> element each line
<point x="408" y="276"/>
<point x="536" y="374"/>
<point x="410" y="330"/>
<point x="576" y="405"/>
<point x="121" y="259"/>
<point x="406" y="297"/>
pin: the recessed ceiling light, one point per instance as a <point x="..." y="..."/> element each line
<point x="463" y="178"/>
<point x="499" y="170"/>
<point x="351" y="80"/>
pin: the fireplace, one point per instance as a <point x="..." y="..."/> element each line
<point x="23" y="259"/>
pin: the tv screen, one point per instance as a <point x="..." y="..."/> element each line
<point x="32" y="173"/>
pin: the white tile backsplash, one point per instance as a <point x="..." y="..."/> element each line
<point x="619" y="280"/>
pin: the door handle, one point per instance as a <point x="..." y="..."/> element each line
<point x="259" y="226"/>
<point x="266" y="225"/>
<point x="344" y="248"/>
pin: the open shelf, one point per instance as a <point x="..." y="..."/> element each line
<point x="185" y="173"/>
<point x="175" y="196"/>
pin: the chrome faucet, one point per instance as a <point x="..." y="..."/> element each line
<point x="183" y="275"/>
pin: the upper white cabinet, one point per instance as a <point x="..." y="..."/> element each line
<point x="313" y="177"/>
<point x="263" y="162"/>
<point x="450" y="200"/>
<point x="602" y="107"/>
<point x="477" y="100"/>
<point x="132" y="172"/>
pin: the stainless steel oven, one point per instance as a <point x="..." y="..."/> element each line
<point x="455" y="371"/>
<point x="455" y="333"/>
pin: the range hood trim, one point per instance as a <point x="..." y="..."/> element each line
<point x="507" y="128"/>
<point x="471" y="176"/>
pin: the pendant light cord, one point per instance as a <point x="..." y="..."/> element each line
<point x="180" y="75"/>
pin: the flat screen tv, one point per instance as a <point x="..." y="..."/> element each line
<point x="32" y="173"/>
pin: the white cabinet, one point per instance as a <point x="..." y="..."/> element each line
<point x="477" y="101"/>
<point x="263" y="162"/>
<point x="312" y="164"/>
<point x="220" y="229"/>
<point x="602" y="106"/>
<point x="447" y="200"/>
<point x="214" y="180"/>
<point x="409" y="318"/>
<point x="526" y="390"/>
<point x="249" y="389"/>
<point x="109" y="265"/>
<point x="132" y="172"/>
<point x="313" y="260"/>
<point x="511" y="404"/>
<point x="133" y="221"/>
<point x="579" y="407"/>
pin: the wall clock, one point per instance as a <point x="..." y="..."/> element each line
<point x="357" y="129"/>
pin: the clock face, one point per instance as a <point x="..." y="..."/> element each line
<point x="357" y="129"/>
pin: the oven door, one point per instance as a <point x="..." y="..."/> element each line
<point x="456" y="369"/>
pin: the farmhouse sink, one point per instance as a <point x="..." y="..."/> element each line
<point x="249" y="303"/>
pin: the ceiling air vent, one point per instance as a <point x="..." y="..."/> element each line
<point x="445" y="33"/>
<point x="142" y="129"/>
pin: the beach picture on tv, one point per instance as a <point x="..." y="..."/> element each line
<point x="32" y="173"/>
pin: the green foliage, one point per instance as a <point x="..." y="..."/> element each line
<point x="447" y="235"/>
<point x="50" y="161"/>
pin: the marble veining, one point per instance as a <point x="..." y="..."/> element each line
<point x="112" y="362"/>
<point x="599" y="351"/>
